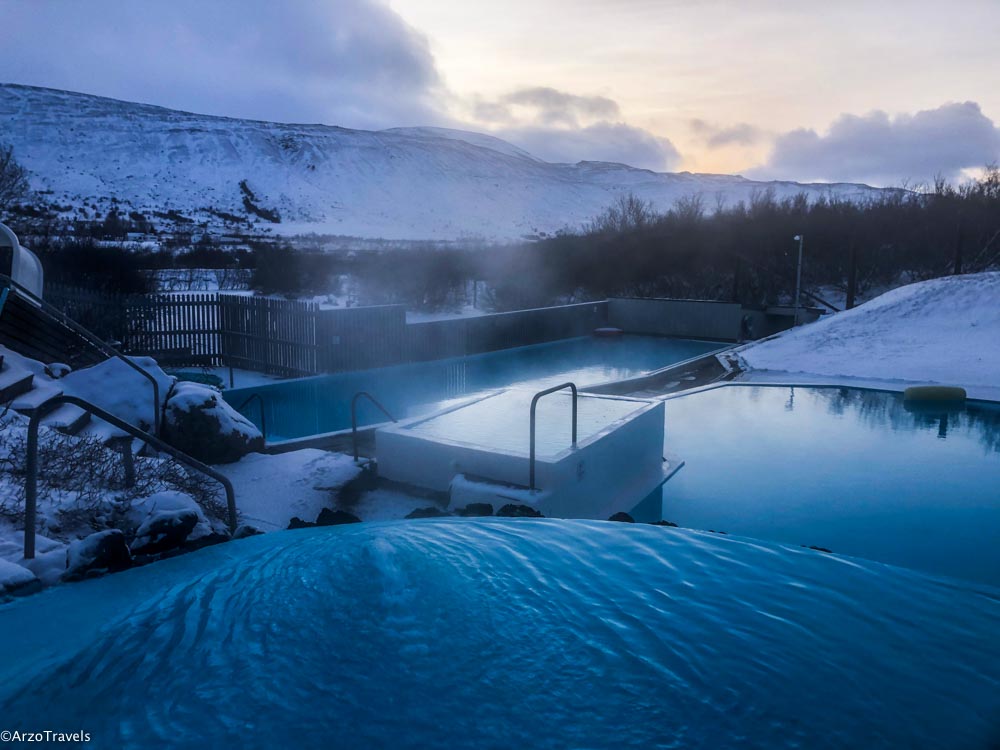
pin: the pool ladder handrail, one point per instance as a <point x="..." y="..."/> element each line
<point x="31" y="464"/>
<point x="263" y="412"/>
<point x="354" y="416"/>
<point x="534" y="403"/>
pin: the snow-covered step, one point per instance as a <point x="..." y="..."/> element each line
<point x="28" y="402"/>
<point x="13" y="382"/>
<point x="68" y="418"/>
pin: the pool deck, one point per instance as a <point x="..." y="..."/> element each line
<point x="715" y="369"/>
<point x="707" y="369"/>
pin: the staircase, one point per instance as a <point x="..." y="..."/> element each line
<point x="35" y="329"/>
<point x="19" y="392"/>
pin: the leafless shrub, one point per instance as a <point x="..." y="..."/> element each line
<point x="81" y="481"/>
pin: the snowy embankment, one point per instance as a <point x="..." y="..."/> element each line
<point x="943" y="331"/>
<point x="90" y="519"/>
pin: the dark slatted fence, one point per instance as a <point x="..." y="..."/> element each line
<point x="290" y="338"/>
<point x="201" y="329"/>
<point x="358" y="338"/>
<point x="269" y="335"/>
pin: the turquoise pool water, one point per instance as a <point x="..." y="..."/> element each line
<point x="506" y="633"/>
<point x="850" y="470"/>
<point x="311" y="406"/>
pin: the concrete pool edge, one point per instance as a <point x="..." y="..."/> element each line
<point x="433" y="461"/>
<point x="341" y="439"/>
<point x="638" y="383"/>
<point x="980" y="394"/>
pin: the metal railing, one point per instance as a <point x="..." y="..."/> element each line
<point x="103" y="346"/>
<point x="534" y="403"/>
<point x="31" y="466"/>
<point x="354" y="416"/>
<point x="263" y="412"/>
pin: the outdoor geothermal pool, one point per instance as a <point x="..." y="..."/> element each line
<point x="855" y="471"/>
<point x="506" y="633"/>
<point x="311" y="406"/>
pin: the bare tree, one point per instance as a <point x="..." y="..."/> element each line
<point x="628" y="212"/>
<point x="13" y="179"/>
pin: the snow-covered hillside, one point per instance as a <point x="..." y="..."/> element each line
<point x="945" y="330"/>
<point x="402" y="183"/>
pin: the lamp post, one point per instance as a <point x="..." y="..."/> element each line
<point x="798" y="279"/>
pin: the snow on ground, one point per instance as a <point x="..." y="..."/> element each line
<point x="386" y="505"/>
<point x="943" y="331"/>
<point x="21" y="364"/>
<point x="395" y="184"/>
<point x="271" y="489"/>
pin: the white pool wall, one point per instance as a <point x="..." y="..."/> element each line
<point x="615" y="467"/>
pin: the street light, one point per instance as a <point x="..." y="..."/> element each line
<point x="798" y="278"/>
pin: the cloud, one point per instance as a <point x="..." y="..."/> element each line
<point x="884" y="150"/>
<point x="345" y="62"/>
<point x="354" y="63"/>
<point x="559" y="107"/>
<point x="716" y="136"/>
<point x="560" y="126"/>
<point x="604" y="141"/>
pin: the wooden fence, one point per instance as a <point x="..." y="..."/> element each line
<point x="201" y="329"/>
<point x="269" y="335"/>
<point x="291" y="338"/>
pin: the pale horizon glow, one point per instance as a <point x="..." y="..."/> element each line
<point x="765" y="67"/>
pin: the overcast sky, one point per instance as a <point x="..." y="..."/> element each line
<point x="882" y="92"/>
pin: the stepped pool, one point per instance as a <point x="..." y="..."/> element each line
<point x="855" y="471"/>
<point x="311" y="406"/>
<point x="499" y="633"/>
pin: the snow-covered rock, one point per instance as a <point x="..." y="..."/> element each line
<point x="115" y="387"/>
<point x="398" y="184"/>
<point x="198" y="421"/>
<point x="163" y="531"/>
<point x="13" y="577"/>
<point x="942" y="331"/>
<point x="168" y="504"/>
<point x="101" y="552"/>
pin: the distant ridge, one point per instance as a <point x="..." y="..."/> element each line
<point x="89" y="153"/>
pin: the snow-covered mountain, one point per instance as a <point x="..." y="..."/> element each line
<point x="85" y="151"/>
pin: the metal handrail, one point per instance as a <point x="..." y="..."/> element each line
<point x="31" y="466"/>
<point x="263" y="413"/>
<point x="354" y="416"/>
<point x="534" y="403"/>
<point x="106" y="348"/>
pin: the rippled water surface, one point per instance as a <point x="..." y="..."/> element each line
<point x="463" y="633"/>
<point x="852" y="470"/>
